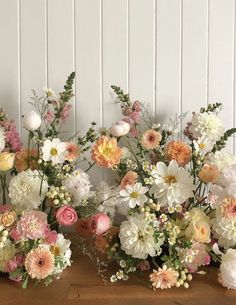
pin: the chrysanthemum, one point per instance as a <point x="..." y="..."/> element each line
<point x="134" y="194"/>
<point x="54" y="151"/>
<point x="39" y="263"/>
<point x="130" y="178"/>
<point x="173" y="184"/>
<point x="2" y="139"/>
<point x="73" y="151"/>
<point x="151" y="139"/>
<point x="163" y="277"/>
<point x="105" y="152"/>
<point x="137" y="238"/>
<point x="178" y="151"/>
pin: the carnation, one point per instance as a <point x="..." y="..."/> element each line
<point x="24" y="190"/>
<point x="78" y="185"/>
<point x="6" y="254"/>
<point x="137" y="238"/>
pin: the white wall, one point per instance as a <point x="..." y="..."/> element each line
<point x="176" y="55"/>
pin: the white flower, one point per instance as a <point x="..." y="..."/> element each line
<point x="125" y="153"/>
<point x="134" y="194"/>
<point x="222" y="159"/>
<point x="54" y="151"/>
<point x="24" y="190"/>
<point x="32" y="121"/>
<point x="49" y="92"/>
<point x="120" y="129"/>
<point x="225" y="230"/>
<point x="62" y="249"/>
<point x="6" y="253"/>
<point x="207" y="124"/>
<point x="173" y="184"/>
<point x="228" y="180"/>
<point x="2" y="139"/>
<point x="137" y="238"/>
<point x="227" y="276"/>
<point x="203" y="145"/>
<point x="78" y="185"/>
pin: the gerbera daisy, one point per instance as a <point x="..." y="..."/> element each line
<point x="151" y="139"/>
<point x="163" y="277"/>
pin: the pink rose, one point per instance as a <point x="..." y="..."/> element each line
<point x="99" y="223"/>
<point x="65" y="112"/>
<point x="19" y="259"/>
<point x="66" y="216"/>
<point x="49" y="116"/>
<point x="51" y="237"/>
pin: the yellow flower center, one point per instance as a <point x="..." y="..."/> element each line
<point x="202" y="145"/>
<point x="170" y="179"/>
<point x="134" y="195"/>
<point x="107" y="151"/>
<point x="53" y="151"/>
<point x="55" y="250"/>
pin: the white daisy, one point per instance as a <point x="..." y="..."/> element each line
<point x="49" y="92"/>
<point x="54" y="151"/>
<point x="2" y="139"/>
<point x="134" y="194"/>
<point x="203" y="145"/>
<point x="137" y="238"/>
<point x="172" y="184"/>
<point x="207" y="124"/>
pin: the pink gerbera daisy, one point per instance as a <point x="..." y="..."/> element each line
<point x="73" y="151"/>
<point x="39" y="263"/>
<point x="163" y="277"/>
<point x="151" y="139"/>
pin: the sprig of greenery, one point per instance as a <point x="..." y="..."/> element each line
<point x="212" y="108"/>
<point x="223" y="140"/>
<point x="122" y="97"/>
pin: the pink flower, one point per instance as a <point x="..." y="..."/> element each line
<point x="127" y="111"/>
<point x="134" y="132"/>
<point x="51" y="237"/>
<point x="15" y="234"/>
<point x="65" y="112"/>
<point x="137" y="106"/>
<point x="11" y="266"/>
<point x="16" y="279"/>
<point x="66" y="216"/>
<point x="19" y="259"/>
<point x="33" y="225"/>
<point x="99" y="223"/>
<point x="135" y="116"/>
<point x="163" y="278"/>
<point x="12" y="137"/>
<point x="144" y="265"/>
<point x="49" y="116"/>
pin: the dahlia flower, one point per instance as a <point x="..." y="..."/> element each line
<point x="227" y="275"/>
<point x="222" y="159"/>
<point x="178" y="151"/>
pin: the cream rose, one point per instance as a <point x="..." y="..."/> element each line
<point x="199" y="231"/>
<point x="6" y="161"/>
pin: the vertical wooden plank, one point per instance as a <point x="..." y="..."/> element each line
<point x="221" y="58"/>
<point x="142" y="51"/>
<point x="168" y="58"/>
<point x="88" y="68"/>
<point x="195" y="50"/>
<point x="9" y="59"/>
<point x="33" y="50"/>
<point x="60" y="19"/>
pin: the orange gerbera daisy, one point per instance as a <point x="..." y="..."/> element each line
<point x="105" y="152"/>
<point x="25" y="159"/>
<point x="178" y="151"/>
<point x="129" y="178"/>
<point x="151" y="139"/>
<point x="73" y="151"/>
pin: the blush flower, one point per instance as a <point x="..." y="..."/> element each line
<point x="105" y="152"/>
<point x="39" y="263"/>
<point x="99" y="223"/>
<point x="178" y="151"/>
<point x="151" y="139"/>
<point x="129" y="178"/>
<point x="209" y="173"/>
<point x="65" y="112"/>
<point x="164" y="278"/>
<point x="66" y="216"/>
<point x="73" y="151"/>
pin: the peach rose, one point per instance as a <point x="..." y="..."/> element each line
<point x="66" y="216"/>
<point x="8" y="218"/>
<point x="129" y="178"/>
<point x="199" y="231"/>
<point x="105" y="152"/>
<point x="178" y="151"/>
<point x="209" y="173"/>
<point x="6" y="161"/>
<point x="25" y="159"/>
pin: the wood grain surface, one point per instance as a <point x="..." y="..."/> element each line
<point x="81" y="285"/>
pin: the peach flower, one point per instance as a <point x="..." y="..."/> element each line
<point x="151" y="139"/>
<point x="8" y="218"/>
<point x="199" y="231"/>
<point x="163" y="278"/>
<point x="129" y="178"/>
<point x="209" y="173"/>
<point x="102" y="242"/>
<point x="178" y="151"/>
<point x="105" y="152"/>
<point x="39" y="263"/>
<point x="25" y="159"/>
<point x="73" y="151"/>
<point x="228" y="208"/>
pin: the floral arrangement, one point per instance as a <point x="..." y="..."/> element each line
<point x="43" y="188"/>
<point x="173" y="209"/>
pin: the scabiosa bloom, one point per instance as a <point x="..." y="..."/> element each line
<point x="54" y="151"/>
<point x="39" y="263"/>
<point x="178" y="151"/>
<point x="151" y="139"/>
<point x="163" y="278"/>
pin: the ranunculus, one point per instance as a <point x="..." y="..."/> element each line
<point x="32" y="121"/>
<point x="199" y="231"/>
<point x="6" y="161"/>
<point x="66" y="216"/>
<point x="209" y="173"/>
<point x="8" y="218"/>
<point x="227" y="276"/>
<point x="120" y="129"/>
<point x="99" y="223"/>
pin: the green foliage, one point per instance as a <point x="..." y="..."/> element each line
<point x="223" y="140"/>
<point x="211" y="108"/>
<point x="122" y="97"/>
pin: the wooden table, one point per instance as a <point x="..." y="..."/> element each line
<point x="80" y="285"/>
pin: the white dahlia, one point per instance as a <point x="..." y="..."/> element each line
<point x="2" y="139"/>
<point x="172" y="184"/>
<point x="222" y="159"/>
<point x="134" y="195"/>
<point x="137" y="237"/>
<point x="54" y="151"/>
<point x="225" y="230"/>
<point x="24" y="190"/>
<point x="78" y="185"/>
<point x="228" y="180"/>
<point x="207" y="124"/>
<point x="6" y="253"/>
<point x="227" y="276"/>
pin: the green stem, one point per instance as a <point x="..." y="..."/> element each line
<point x="4" y="185"/>
<point x="90" y="166"/>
